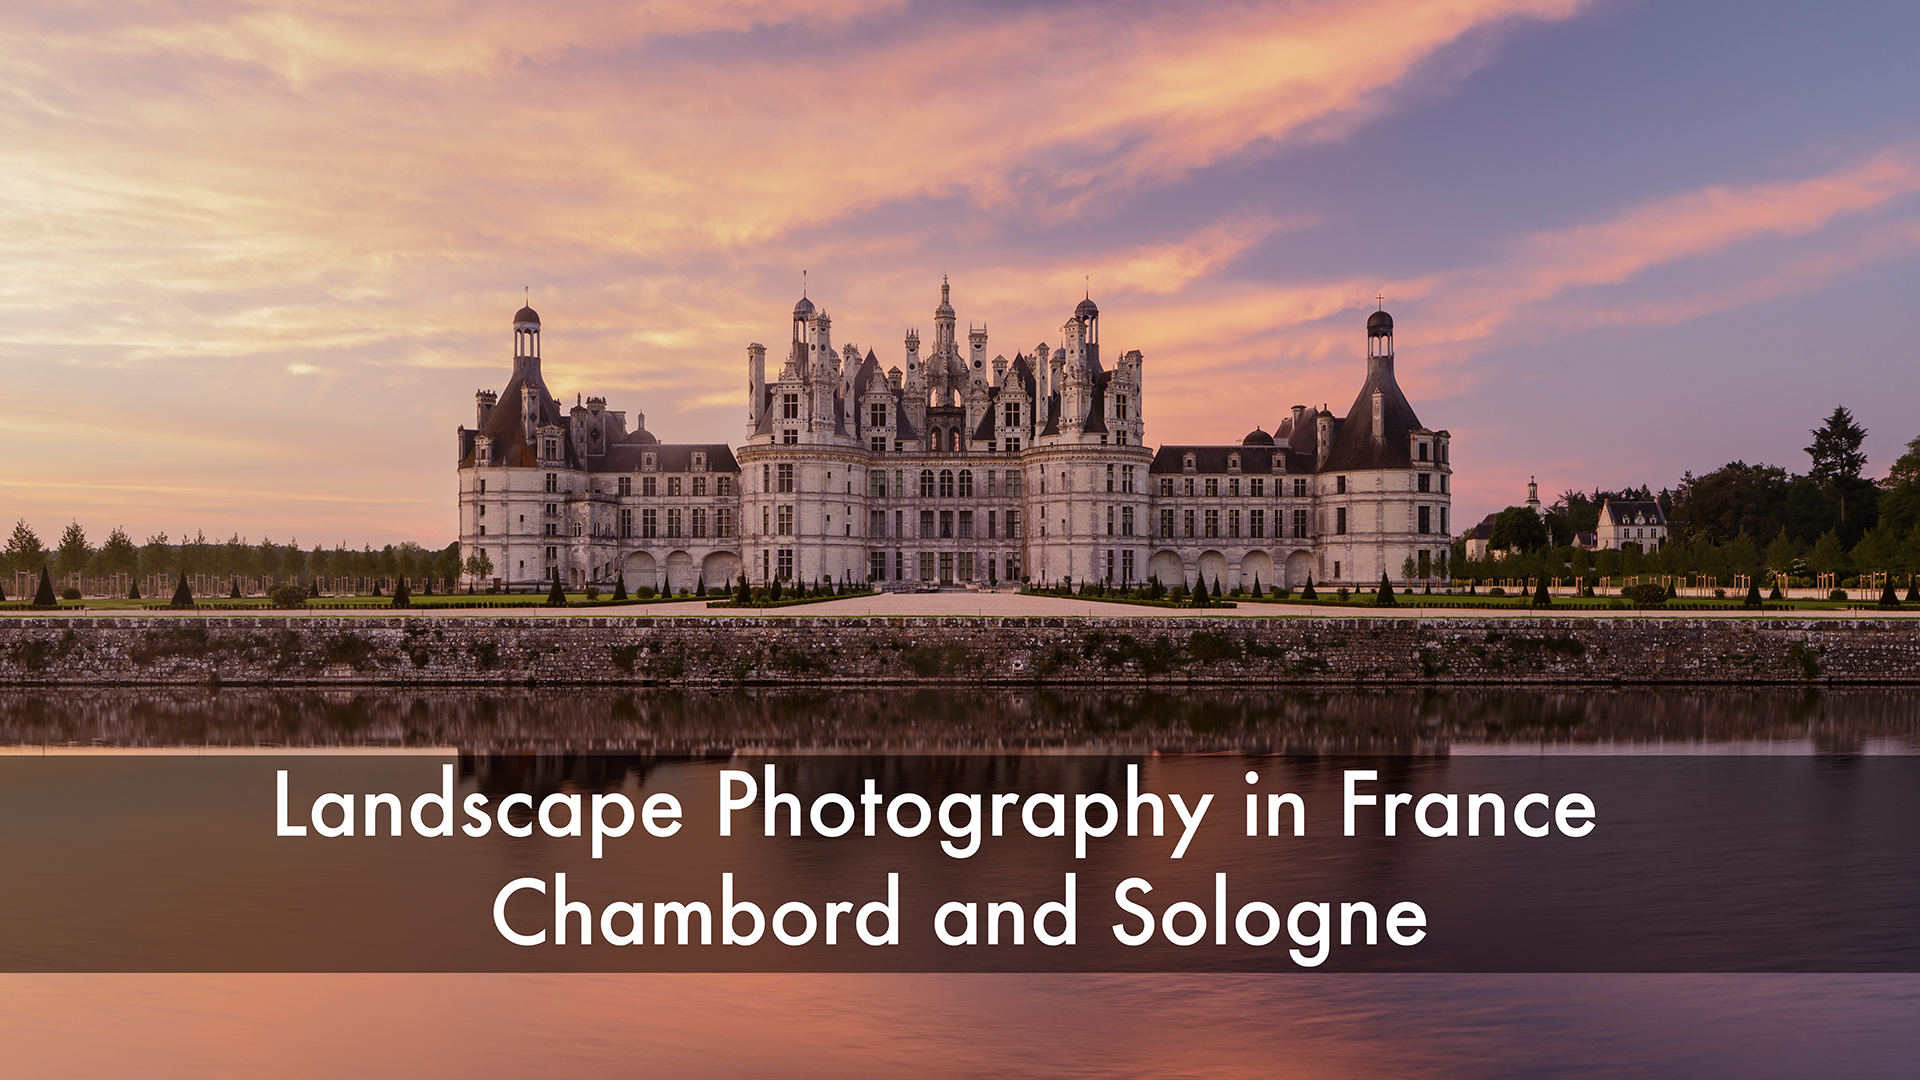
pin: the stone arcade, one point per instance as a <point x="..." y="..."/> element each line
<point x="950" y="468"/>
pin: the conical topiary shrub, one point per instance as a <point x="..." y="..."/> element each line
<point x="700" y="586"/>
<point x="234" y="593"/>
<point x="1385" y="596"/>
<point x="1775" y="594"/>
<point x="43" y="597"/>
<point x="133" y="591"/>
<point x="401" y="598"/>
<point x="556" y="597"/>
<point x="743" y="592"/>
<point x="1200" y="592"/>
<point x="1256" y="586"/>
<point x="182" y="594"/>
<point x="1889" y="598"/>
<point x="773" y="590"/>
<point x="1541" y="597"/>
<point x="1307" y="593"/>
<point x="313" y="587"/>
<point x="1913" y="588"/>
<point x="1753" y="593"/>
<point x="620" y="586"/>
<point x="1672" y="593"/>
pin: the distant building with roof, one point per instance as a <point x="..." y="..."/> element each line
<point x="1623" y="523"/>
<point x="951" y="468"/>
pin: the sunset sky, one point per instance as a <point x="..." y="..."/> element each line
<point x="256" y="257"/>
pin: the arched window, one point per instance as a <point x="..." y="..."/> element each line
<point x="933" y="440"/>
<point x="966" y="483"/>
<point x="953" y="441"/>
<point x="946" y="483"/>
<point x="926" y="483"/>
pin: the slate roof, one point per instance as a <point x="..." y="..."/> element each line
<point x="1213" y="459"/>
<point x="1623" y="513"/>
<point x="1354" y="445"/>
<point x="503" y="426"/>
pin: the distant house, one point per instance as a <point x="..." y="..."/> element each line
<point x="1623" y="523"/>
<point x="1479" y="537"/>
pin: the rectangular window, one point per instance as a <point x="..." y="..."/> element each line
<point x="553" y="483"/>
<point x="946" y="568"/>
<point x="699" y="486"/>
<point x="1213" y="488"/>
<point x="1166" y="485"/>
<point x="483" y="487"/>
<point x="1166" y="523"/>
<point x="877" y="444"/>
<point x="877" y="565"/>
<point x="1426" y="481"/>
<point x="1109" y="521"/>
<point x="1013" y="524"/>
<point x="786" y="478"/>
<point x="1257" y="488"/>
<point x="1300" y="486"/>
<point x="784" y="521"/>
<point x="1233" y="486"/>
<point x="649" y="523"/>
<point x="552" y="554"/>
<point x="1213" y="523"/>
<point x="673" y="522"/>
<point x="786" y="564"/>
<point x="1109" y="478"/>
<point x="699" y="521"/>
<point x="992" y="522"/>
<point x="1109" y="564"/>
<point x="877" y="484"/>
<point x="1339" y="486"/>
<point x="926" y="524"/>
<point x="790" y="406"/>
<point x="766" y="520"/>
<point x="946" y="524"/>
<point x="899" y="527"/>
<point x="766" y="479"/>
<point x="1424" y="523"/>
<point x="1300" y="522"/>
<point x="877" y="523"/>
<point x="963" y="566"/>
<point x="723" y="522"/>
<point x="1013" y="414"/>
<point x="1233" y="523"/>
<point x="673" y="485"/>
<point x="899" y="566"/>
<point x="966" y="524"/>
<point x="1189" y="486"/>
<point x="1340" y="521"/>
<point x="1126" y="479"/>
<point x="966" y="483"/>
<point x="1126" y="521"/>
<point x="626" y="485"/>
<point x="1126" y="566"/>
<point x="1189" y="523"/>
<point x="1256" y="523"/>
<point x="1013" y="566"/>
<point x="1443" y="521"/>
<point x="647" y="487"/>
<point x="1423" y="457"/>
<point x="723" y="486"/>
<point x="877" y="415"/>
<point x="1013" y="485"/>
<point x="926" y="566"/>
<point x="626" y="524"/>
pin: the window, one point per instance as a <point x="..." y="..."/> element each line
<point x="1166" y="485"/>
<point x="699" y="462"/>
<point x="1119" y="438"/>
<point x="649" y="523"/>
<point x="626" y="524"/>
<point x="946" y="483"/>
<point x="1423" y="457"/>
<point x="877" y="444"/>
<point x="1013" y="528"/>
<point x="1233" y="462"/>
<point x="1013" y="446"/>
<point x="926" y="524"/>
<point x="1120" y="406"/>
<point x="1339" y="485"/>
<point x="1126" y="566"/>
<point x="699" y="521"/>
<point x="552" y="554"/>
<point x="784" y="521"/>
<point x="483" y="509"/>
<point x="877" y="484"/>
<point x="1013" y="414"/>
<point x="966" y="524"/>
<point x="723" y="522"/>
<point x="1126" y="521"/>
<point x="790" y="407"/>
<point x="946" y="524"/>
<point x="483" y="487"/>
<point x="790" y="437"/>
<point x="1426" y="481"/>
<point x="877" y="523"/>
<point x="626" y="486"/>
<point x="550" y="449"/>
<point x="1233" y="523"/>
<point x="673" y="522"/>
<point x="786" y="478"/>
<point x="766" y="479"/>
<point x="699" y="486"/>
<point x="992" y="521"/>
<point x="1166" y="523"/>
<point x="1109" y="521"/>
<point x="1188" y="490"/>
<point x="553" y="483"/>
<point x="1013" y="484"/>
<point x="926" y="566"/>
<point x="963" y="566"/>
<point x="1300" y="486"/>
<point x="483" y="530"/>
<point x="1189" y="523"/>
<point x="899" y="527"/>
<point x="785" y="561"/>
<point x="1257" y="488"/>
<point x="1013" y="566"/>
<point x="1213" y="523"/>
<point x="647" y="486"/>
<point x="1187" y="462"/>
<point x="966" y="483"/>
<point x="673" y="485"/>
<point x="1233" y="486"/>
<point x="877" y="565"/>
<point x="1126" y="479"/>
<point x="1256" y="523"/>
<point x="1109" y="478"/>
<point x="1424" y="523"/>
<point x="1443" y="521"/>
<point x="877" y="415"/>
<point x="926" y="483"/>
<point x="1340" y="521"/>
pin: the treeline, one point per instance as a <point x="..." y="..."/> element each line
<point x="74" y="552"/>
<point x="1738" y="519"/>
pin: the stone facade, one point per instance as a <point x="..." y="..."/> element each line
<point x="953" y="469"/>
<point x="806" y="651"/>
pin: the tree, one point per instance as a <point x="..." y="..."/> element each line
<point x="1385" y="596"/>
<point x="44" y="597"/>
<point x="1256" y="586"/>
<point x="156" y="555"/>
<point x="74" y="552"/>
<point x="1518" y="528"/>
<point x="1541" y="597"/>
<point x="1878" y="549"/>
<point x="1781" y="553"/>
<point x="1753" y="592"/>
<point x="182" y="593"/>
<point x="1408" y="568"/>
<point x="118" y="555"/>
<point x="1827" y="556"/>
<point x="1837" y="457"/>
<point x="700" y="587"/>
<point x="743" y="594"/>
<point x="1307" y="593"/>
<point x="24" y="550"/>
<point x="620" y="587"/>
<point x="556" y="596"/>
<point x="1200" y="592"/>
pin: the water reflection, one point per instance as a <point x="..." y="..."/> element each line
<point x="678" y="724"/>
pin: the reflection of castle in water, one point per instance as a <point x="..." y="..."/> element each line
<point x="564" y="740"/>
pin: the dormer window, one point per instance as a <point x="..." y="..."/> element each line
<point x="550" y="449"/>
<point x="649" y="461"/>
<point x="699" y="461"/>
<point x="1423" y="451"/>
<point x="1233" y="462"/>
<point x="1186" y="463"/>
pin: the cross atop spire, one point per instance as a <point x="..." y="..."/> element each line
<point x="1380" y="301"/>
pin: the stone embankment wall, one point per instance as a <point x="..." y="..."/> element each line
<point x="723" y="651"/>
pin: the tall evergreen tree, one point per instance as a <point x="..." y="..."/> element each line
<point x="620" y="586"/>
<point x="1200" y="597"/>
<point x="182" y="593"/>
<point x="556" y="596"/>
<point x="44" y="597"/>
<point x="1837" y="457"/>
<point x="1385" y="596"/>
<point x="1541" y="597"/>
<point x="24" y="550"/>
<point x="1307" y="593"/>
<point x="401" y="597"/>
<point x="73" y="553"/>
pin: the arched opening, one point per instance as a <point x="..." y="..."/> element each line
<point x="641" y="569"/>
<point x="1167" y="566"/>
<point x="1257" y="564"/>
<point x="720" y="570"/>
<point x="1213" y="567"/>
<point x="1299" y="568"/>
<point x="680" y="573"/>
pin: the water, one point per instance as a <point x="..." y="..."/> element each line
<point x="1214" y="1024"/>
